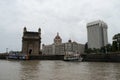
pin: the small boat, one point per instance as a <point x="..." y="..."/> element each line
<point x="12" y="56"/>
<point x="71" y="56"/>
<point x="23" y="57"/>
<point x="17" y="56"/>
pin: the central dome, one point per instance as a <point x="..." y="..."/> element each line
<point x="57" y="39"/>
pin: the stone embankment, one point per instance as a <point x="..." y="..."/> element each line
<point x="101" y="57"/>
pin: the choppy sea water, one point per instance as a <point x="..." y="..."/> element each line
<point x="58" y="70"/>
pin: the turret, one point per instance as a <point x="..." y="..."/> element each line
<point x="39" y="30"/>
<point x="25" y="29"/>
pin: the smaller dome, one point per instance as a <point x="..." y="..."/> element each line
<point x="69" y="40"/>
<point x="43" y="44"/>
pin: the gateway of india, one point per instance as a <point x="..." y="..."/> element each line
<point x="31" y="42"/>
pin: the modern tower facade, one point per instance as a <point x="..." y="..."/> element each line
<point x="97" y="34"/>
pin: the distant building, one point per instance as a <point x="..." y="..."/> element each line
<point x="31" y="42"/>
<point x="59" y="48"/>
<point x="97" y="34"/>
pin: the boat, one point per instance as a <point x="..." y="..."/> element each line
<point x="12" y="56"/>
<point x="23" y="57"/>
<point x="17" y="56"/>
<point x="71" y="56"/>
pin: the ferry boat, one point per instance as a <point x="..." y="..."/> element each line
<point x="71" y="56"/>
<point x="17" y="56"/>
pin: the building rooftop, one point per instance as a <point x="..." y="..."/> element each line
<point x="100" y="23"/>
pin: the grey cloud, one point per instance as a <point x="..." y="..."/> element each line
<point x="68" y="17"/>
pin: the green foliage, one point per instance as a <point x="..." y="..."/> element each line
<point x="88" y="50"/>
<point x="114" y="46"/>
<point x="86" y="46"/>
<point x="116" y="37"/>
<point x="116" y="42"/>
<point x="102" y="50"/>
<point x="109" y="47"/>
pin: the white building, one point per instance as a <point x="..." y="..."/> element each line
<point x="97" y="34"/>
<point x="59" y="48"/>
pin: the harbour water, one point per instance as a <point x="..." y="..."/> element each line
<point x="58" y="70"/>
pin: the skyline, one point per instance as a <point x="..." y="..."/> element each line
<point x="68" y="17"/>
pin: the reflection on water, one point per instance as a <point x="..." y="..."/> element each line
<point x="29" y="70"/>
<point x="58" y="70"/>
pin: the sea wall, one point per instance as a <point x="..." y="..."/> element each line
<point x="40" y="57"/>
<point x="3" y="56"/>
<point x="46" y="57"/>
<point x="109" y="57"/>
<point x="102" y="57"/>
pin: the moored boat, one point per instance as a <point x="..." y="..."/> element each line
<point x="17" y="56"/>
<point x="71" y="56"/>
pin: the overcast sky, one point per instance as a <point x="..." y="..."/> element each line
<point x="68" y="17"/>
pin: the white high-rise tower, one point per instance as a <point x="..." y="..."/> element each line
<point x="97" y="34"/>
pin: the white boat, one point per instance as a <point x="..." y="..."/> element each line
<point x="71" y="56"/>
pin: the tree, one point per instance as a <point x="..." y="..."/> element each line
<point x="106" y="49"/>
<point x="114" y="46"/>
<point x="102" y="49"/>
<point x="86" y="47"/>
<point x="87" y="50"/>
<point x="109" y="47"/>
<point x="116" y="42"/>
